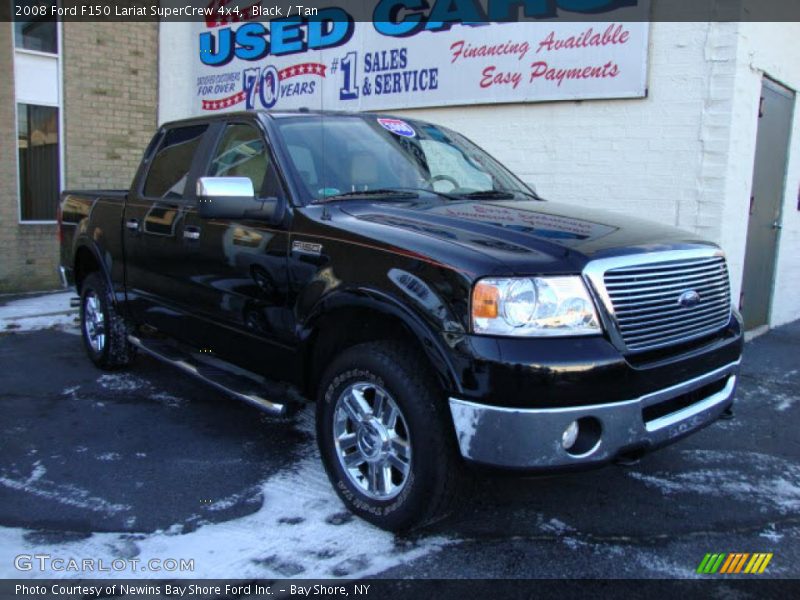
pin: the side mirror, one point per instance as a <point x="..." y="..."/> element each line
<point x="233" y="198"/>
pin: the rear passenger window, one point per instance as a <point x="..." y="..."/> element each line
<point x="170" y="167"/>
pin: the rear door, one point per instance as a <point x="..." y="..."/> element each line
<point x="153" y="228"/>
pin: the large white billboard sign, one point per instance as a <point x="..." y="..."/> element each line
<point x="319" y="62"/>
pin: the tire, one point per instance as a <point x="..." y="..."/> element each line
<point x="421" y="437"/>
<point x="104" y="332"/>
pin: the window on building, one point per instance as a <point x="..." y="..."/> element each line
<point x="170" y="166"/>
<point x="38" y="148"/>
<point x="36" y="33"/>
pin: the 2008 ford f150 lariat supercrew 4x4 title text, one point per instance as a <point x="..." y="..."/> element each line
<point x="434" y="308"/>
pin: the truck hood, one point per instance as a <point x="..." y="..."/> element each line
<point x="526" y="236"/>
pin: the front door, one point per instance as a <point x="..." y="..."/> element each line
<point x="238" y="280"/>
<point x="769" y="180"/>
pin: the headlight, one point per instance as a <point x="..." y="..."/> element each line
<point x="535" y="306"/>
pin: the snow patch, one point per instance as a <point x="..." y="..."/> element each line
<point x="785" y="402"/>
<point x="66" y="323"/>
<point x="575" y="544"/>
<point x="666" y="567"/>
<point x="557" y="527"/>
<point x="766" y="480"/>
<point x="122" y="383"/>
<point x="35" y="305"/>
<point x="39" y="312"/>
<point x="168" y="400"/>
<point x="228" y="502"/>
<point x="69" y="495"/>
<point x="109" y="456"/>
<point x="773" y="393"/>
<point x="37" y="473"/>
<point x="771" y="534"/>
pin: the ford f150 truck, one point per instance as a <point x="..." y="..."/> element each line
<point x="433" y="307"/>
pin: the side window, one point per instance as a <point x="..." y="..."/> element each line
<point x="243" y="153"/>
<point x="169" y="168"/>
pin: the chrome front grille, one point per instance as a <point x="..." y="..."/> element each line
<point x="659" y="303"/>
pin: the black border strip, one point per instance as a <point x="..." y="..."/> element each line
<point x="411" y="589"/>
<point x="478" y="10"/>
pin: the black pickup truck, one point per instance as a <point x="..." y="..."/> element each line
<point x="434" y="308"/>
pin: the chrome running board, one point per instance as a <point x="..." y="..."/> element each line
<point x="242" y="385"/>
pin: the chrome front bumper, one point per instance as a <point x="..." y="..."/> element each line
<point x="532" y="438"/>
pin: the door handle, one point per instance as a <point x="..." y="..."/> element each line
<point x="777" y="225"/>
<point x="132" y="224"/>
<point x="191" y="233"/>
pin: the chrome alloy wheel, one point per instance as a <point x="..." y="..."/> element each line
<point x="372" y="440"/>
<point x="94" y="326"/>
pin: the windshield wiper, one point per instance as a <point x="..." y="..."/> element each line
<point x="498" y="195"/>
<point x="376" y="193"/>
<point x="488" y="195"/>
<point x="446" y="195"/>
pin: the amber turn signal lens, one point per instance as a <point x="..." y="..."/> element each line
<point x="485" y="301"/>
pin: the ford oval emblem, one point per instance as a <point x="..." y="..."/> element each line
<point x="689" y="299"/>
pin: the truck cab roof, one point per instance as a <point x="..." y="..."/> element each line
<point x="282" y="114"/>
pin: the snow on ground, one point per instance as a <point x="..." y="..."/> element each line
<point x="39" y="312"/>
<point x="123" y="382"/>
<point x="301" y="530"/>
<point x="69" y="495"/>
<point x="769" y="481"/>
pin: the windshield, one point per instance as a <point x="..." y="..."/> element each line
<point x="339" y="155"/>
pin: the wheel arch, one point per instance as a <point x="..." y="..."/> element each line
<point x="88" y="260"/>
<point x="348" y="318"/>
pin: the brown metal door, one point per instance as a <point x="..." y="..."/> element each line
<point x="769" y="182"/>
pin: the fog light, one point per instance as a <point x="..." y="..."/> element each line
<point x="570" y="435"/>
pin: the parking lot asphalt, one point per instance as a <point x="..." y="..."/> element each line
<point x="150" y="463"/>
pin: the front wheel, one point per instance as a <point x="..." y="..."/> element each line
<point x="385" y="437"/>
